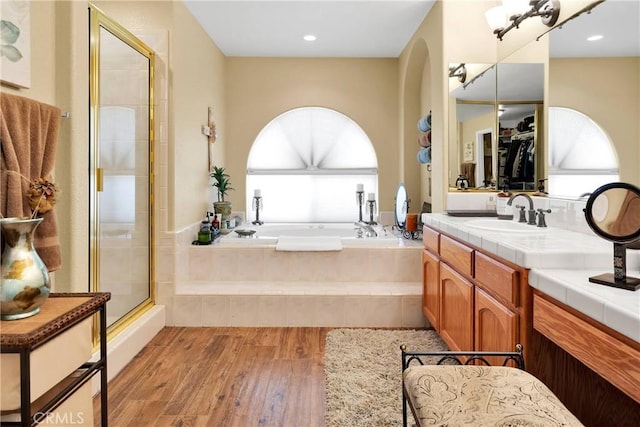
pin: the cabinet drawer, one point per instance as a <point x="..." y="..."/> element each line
<point x="430" y="239"/>
<point x="459" y="256"/>
<point x="497" y="278"/>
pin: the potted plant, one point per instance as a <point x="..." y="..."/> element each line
<point x="223" y="185"/>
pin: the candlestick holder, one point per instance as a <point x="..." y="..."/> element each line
<point x="257" y="206"/>
<point x="371" y="208"/>
<point x="360" y="201"/>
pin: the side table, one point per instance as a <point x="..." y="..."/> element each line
<point x="58" y="314"/>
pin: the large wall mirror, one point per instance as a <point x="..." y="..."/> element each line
<point x="520" y="94"/>
<point x="496" y="127"/>
<point x="473" y="125"/>
<point x="594" y="89"/>
<point x="596" y="81"/>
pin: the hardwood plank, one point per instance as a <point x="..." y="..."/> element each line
<point x="222" y="377"/>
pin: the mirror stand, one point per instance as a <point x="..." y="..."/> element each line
<point x="613" y="213"/>
<point x="619" y="278"/>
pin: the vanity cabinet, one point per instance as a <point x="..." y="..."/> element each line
<point x="496" y="326"/>
<point x="475" y="300"/>
<point x="456" y="309"/>
<point x="431" y="288"/>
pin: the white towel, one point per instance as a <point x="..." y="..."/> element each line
<point x="316" y="243"/>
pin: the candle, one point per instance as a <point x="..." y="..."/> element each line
<point x="257" y="192"/>
<point x="360" y="187"/>
<point x="371" y="197"/>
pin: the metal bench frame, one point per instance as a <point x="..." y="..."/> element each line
<point x="511" y="358"/>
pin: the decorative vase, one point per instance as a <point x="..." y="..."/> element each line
<point x="25" y="282"/>
<point x="223" y="208"/>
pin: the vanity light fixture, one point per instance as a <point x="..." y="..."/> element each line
<point x="512" y="13"/>
<point x="458" y="71"/>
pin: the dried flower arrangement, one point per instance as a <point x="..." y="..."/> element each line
<point x="41" y="194"/>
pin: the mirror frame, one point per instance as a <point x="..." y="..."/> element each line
<point x="593" y="224"/>
<point x="401" y="208"/>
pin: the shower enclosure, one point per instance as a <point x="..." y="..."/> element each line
<point x="121" y="131"/>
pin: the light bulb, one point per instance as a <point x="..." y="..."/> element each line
<point x="515" y="8"/>
<point x="496" y="18"/>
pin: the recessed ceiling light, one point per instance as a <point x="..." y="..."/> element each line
<point x="594" y="38"/>
<point x="310" y="37"/>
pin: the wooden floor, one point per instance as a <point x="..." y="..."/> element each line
<point x="222" y="377"/>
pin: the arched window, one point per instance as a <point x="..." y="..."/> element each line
<point x="307" y="163"/>
<point x="581" y="156"/>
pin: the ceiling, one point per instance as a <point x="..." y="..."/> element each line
<point x="381" y="28"/>
<point x="618" y="21"/>
<point x="347" y="28"/>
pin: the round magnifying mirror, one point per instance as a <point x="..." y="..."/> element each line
<point x="613" y="213"/>
<point x="402" y="206"/>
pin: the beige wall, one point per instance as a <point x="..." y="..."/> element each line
<point x="259" y="89"/>
<point x="420" y="80"/>
<point x="60" y="77"/>
<point x="608" y="91"/>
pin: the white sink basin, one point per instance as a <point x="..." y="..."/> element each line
<point x="504" y="226"/>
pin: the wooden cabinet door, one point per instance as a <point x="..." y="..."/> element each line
<point x="456" y="309"/>
<point x="431" y="288"/>
<point x="496" y="326"/>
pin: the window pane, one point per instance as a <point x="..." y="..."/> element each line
<point x="307" y="162"/>
<point x="309" y="198"/>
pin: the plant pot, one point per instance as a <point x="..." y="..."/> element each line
<point x="222" y="208"/>
<point x="25" y="282"/>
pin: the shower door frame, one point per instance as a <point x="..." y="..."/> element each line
<point x="98" y="20"/>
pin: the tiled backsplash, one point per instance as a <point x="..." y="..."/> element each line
<point x="566" y="214"/>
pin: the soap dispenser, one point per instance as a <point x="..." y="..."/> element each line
<point x="503" y="210"/>
<point x="204" y="235"/>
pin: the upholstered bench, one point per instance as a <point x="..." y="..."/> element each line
<point x="478" y="395"/>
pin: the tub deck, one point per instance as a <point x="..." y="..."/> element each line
<point x="253" y="284"/>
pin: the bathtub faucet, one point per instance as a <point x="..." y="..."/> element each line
<point x="368" y="229"/>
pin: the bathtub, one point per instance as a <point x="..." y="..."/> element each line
<point x="242" y="281"/>
<point x="268" y="234"/>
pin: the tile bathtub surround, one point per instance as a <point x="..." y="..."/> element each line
<point x="211" y="264"/>
<point x="258" y="286"/>
<point x="299" y="310"/>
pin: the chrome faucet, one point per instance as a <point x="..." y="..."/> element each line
<point x="532" y="211"/>
<point x="368" y="229"/>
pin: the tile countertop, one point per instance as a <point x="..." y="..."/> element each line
<point x="560" y="263"/>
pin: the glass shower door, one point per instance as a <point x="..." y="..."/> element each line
<point x="121" y="211"/>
